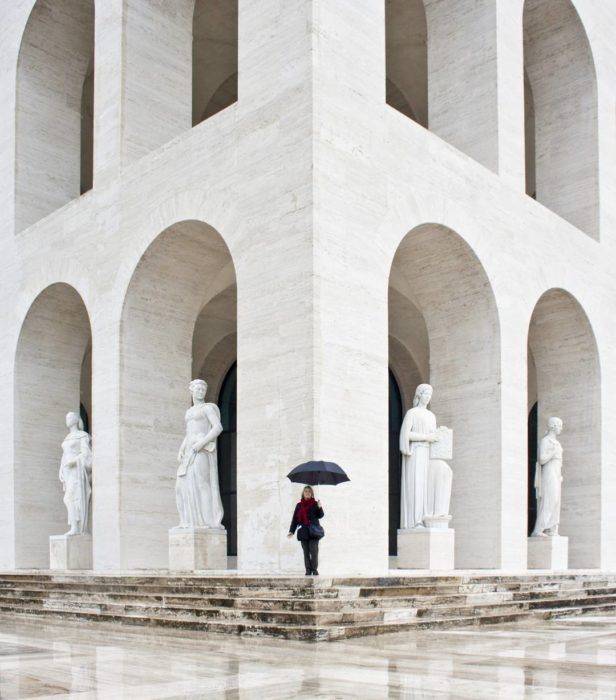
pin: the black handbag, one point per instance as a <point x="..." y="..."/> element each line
<point x="315" y="531"/>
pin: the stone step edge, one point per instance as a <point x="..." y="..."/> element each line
<point x="313" y="589"/>
<point x="298" y="581"/>
<point x="428" y="612"/>
<point x="99" y="596"/>
<point x="324" y="633"/>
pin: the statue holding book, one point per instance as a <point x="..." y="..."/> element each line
<point x="426" y="477"/>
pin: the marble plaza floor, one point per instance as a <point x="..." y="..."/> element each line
<point x="568" y="658"/>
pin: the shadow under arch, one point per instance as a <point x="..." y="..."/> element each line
<point x="54" y="108"/>
<point x="52" y="377"/>
<point x="175" y="278"/>
<point x="567" y="378"/>
<point x="561" y="113"/>
<point x="443" y="279"/>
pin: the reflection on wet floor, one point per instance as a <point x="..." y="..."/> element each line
<point x="569" y="658"/>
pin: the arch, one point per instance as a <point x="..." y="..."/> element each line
<point x="215" y="57"/>
<point x="406" y="58"/>
<point x="52" y="377"/>
<point x="561" y="109"/>
<point x="568" y="385"/>
<point x="173" y="319"/>
<point x="439" y="275"/>
<point x="54" y="104"/>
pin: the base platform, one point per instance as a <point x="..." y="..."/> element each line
<point x="68" y="552"/>
<point x="427" y="548"/>
<point x="306" y="608"/>
<point x="550" y="552"/>
<point x="196" y="549"/>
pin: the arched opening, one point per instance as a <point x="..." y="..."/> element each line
<point x="406" y="58"/>
<point x="564" y="359"/>
<point x="529" y="139"/>
<point x="444" y="329"/>
<point x="178" y="322"/>
<point x="52" y="377"/>
<point x="55" y="96"/>
<point x="214" y="359"/>
<point x="561" y="110"/>
<point x="215" y="49"/>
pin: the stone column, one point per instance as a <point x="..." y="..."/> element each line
<point x="475" y="97"/>
<point x="143" y="80"/>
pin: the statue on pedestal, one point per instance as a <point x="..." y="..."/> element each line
<point x="548" y="481"/>
<point x="197" y="491"/>
<point x="426" y="482"/>
<point x="75" y="474"/>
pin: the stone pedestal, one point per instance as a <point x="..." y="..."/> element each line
<point x="70" y="552"/>
<point x="426" y="548"/>
<point x="197" y="548"/>
<point x="548" y="553"/>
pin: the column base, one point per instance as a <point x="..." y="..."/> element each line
<point x="548" y="552"/>
<point x="426" y="548"/>
<point x="197" y="548"/>
<point x="70" y="552"/>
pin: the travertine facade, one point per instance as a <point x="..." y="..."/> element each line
<point x="317" y="235"/>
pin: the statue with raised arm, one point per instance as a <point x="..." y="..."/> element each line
<point x="197" y="491"/>
<point x="426" y="482"/>
<point x="75" y="474"/>
<point x="548" y="480"/>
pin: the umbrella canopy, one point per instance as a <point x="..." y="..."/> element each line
<point x="315" y="473"/>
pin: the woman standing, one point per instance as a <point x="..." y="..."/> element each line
<point x="197" y="493"/>
<point x="307" y="512"/>
<point x="548" y="481"/>
<point x="417" y="432"/>
<point x="76" y="473"/>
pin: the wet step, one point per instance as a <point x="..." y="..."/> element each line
<point x="310" y="609"/>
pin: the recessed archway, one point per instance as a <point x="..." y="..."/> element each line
<point x="406" y="62"/>
<point x="54" y="108"/>
<point x="52" y="377"/>
<point x="215" y="360"/>
<point x="561" y="113"/>
<point x="442" y="307"/>
<point x="179" y="308"/>
<point x="214" y="57"/>
<point x="567" y="377"/>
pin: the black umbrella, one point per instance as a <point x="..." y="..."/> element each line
<point x="315" y="473"/>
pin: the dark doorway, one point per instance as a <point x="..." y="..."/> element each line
<point x="395" y="423"/>
<point x="85" y="419"/>
<point x="227" y="462"/>
<point x="533" y="426"/>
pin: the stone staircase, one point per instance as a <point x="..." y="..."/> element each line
<point x="311" y="609"/>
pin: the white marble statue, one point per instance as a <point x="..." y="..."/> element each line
<point x="196" y="489"/>
<point x="426" y="483"/>
<point x="76" y="473"/>
<point x="548" y="480"/>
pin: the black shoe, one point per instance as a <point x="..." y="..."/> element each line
<point x="315" y="572"/>
<point x="308" y="572"/>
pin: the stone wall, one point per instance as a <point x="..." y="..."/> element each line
<point x="330" y="220"/>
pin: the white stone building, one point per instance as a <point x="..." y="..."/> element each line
<point x="339" y="199"/>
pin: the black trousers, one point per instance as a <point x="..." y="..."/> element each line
<point x="311" y="554"/>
